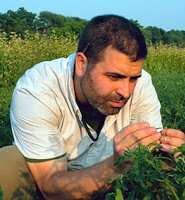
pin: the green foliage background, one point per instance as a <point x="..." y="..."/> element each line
<point x="167" y="67"/>
<point x="22" y="20"/>
<point x="165" y="63"/>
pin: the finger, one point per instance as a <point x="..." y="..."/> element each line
<point x="145" y="132"/>
<point x="129" y="129"/>
<point x="174" y="141"/>
<point x="152" y="139"/>
<point x="173" y="133"/>
<point x="140" y="135"/>
<point x="136" y="138"/>
<point x="167" y="147"/>
<point x="134" y="127"/>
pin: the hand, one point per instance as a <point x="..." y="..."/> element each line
<point x="132" y="135"/>
<point x="171" y="139"/>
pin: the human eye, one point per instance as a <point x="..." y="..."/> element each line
<point x="115" y="77"/>
<point x="134" y="79"/>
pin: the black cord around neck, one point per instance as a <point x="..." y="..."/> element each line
<point x="87" y="109"/>
<point x="94" y="139"/>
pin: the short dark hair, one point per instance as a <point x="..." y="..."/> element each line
<point x="111" y="30"/>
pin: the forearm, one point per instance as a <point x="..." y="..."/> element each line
<point x="80" y="184"/>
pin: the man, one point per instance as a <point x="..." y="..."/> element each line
<point x="72" y="117"/>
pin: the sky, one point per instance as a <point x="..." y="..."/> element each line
<point x="165" y="14"/>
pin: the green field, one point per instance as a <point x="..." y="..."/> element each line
<point x="165" y="63"/>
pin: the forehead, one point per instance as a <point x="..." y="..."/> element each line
<point x="115" y="61"/>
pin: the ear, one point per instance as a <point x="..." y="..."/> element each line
<point x="80" y="64"/>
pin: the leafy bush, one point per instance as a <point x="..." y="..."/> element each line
<point x="152" y="175"/>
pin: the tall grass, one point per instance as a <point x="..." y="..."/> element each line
<point x="165" y="63"/>
<point x="167" y="66"/>
<point x="165" y="59"/>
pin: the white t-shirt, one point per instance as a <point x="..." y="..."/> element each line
<point x="46" y="121"/>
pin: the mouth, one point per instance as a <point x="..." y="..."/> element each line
<point x="117" y="104"/>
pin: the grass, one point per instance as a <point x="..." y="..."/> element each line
<point x="166" y="64"/>
<point x="171" y="91"/>
<point x="165" y="59"/>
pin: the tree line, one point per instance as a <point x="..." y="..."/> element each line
<point x="23" y="21"/>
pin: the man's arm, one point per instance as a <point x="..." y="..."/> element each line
<point x="55" y="182"/>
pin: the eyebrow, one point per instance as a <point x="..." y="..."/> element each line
<point x="122" y="75"/>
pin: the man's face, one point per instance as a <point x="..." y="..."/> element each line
<point x="108" y="85"/>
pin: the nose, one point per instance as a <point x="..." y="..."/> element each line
<point x="124" y="89"/>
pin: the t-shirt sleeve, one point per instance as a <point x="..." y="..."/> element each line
<point x="145" y="105"/>
<point x="35" y="119"/>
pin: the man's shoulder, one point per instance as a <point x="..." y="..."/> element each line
<point x="45" y="69"/>
<point x="144" y="80"/>
<point x="46" y="72"/>
<point x="145" y="75"/>
<point x="143" y="85"/>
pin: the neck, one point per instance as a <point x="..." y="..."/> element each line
<point x="89" y="111"/>
<point x="92" y="116"/>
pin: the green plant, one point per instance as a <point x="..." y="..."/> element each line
<point x="152" y="176"/>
